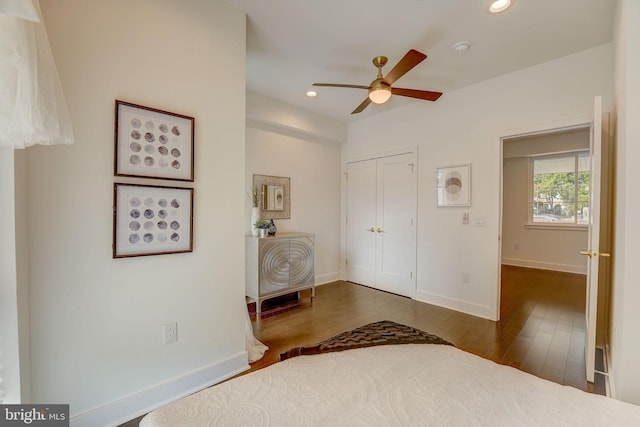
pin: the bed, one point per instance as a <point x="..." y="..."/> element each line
<point x="407" y="379"/>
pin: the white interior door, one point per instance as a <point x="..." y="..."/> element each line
<point x="361" y="222"/>
<point x="593" y="251"/>
<point x="395" y="229"/>
<point x="381" y="225"/>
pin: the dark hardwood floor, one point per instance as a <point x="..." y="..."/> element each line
<point x="541" y="328"/>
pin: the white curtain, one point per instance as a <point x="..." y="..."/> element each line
<point x="254" y="348"/>
<point x="32" y="106"/>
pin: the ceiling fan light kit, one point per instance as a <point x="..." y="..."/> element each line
<point x="380" y="89"/>
<point x="379" y="92"/>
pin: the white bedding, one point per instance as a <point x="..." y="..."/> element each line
<point x="392" y="385"/>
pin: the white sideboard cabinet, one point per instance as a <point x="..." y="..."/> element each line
<point x="278" y="265"/>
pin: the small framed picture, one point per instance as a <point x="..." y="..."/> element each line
<point x="153" y="143"/>
<point x="274" y="196"/>
<point x="453" y="184"/>
<point x="151" y="220"/>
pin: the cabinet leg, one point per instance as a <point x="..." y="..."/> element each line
<point x="258" y="307"/>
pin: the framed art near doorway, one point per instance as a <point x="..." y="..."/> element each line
<point x="454" y="185"/>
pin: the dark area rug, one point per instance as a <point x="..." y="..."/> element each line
<point x="378" y="333"/>
<point x="275" y="305"/>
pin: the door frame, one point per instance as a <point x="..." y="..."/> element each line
<point x="380" y="154"/>
<point x="575" y="123"/>
<point x="343" y="203"/>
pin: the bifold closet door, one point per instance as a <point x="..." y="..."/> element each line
<point x="381" y="225"/>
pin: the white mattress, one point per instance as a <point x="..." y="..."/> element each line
<point x="392" y="385"/>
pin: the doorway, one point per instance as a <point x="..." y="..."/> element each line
<point x="556" y="232"/>
<point x="381" y="222"/>
<point x="545" y="200"/>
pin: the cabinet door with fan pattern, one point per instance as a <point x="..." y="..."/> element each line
<point x="285" y="263"/>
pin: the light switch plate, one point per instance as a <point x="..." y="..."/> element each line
<point x="481" y="221"/>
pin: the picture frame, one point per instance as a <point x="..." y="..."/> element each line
<point x="152" y="143"/>
<point x="274" y="196"/>
<point x="151" y="220"/>
<point x="453" y="184"/>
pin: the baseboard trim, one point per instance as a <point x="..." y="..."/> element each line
<point x="611" y="390"/>
<point x="565" y="268"/>
<point x="323" y="279"/>
<point x="471" y="308"/>
<point x="145" y="401"/>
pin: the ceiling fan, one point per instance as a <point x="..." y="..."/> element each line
<point x="380" y="89"/>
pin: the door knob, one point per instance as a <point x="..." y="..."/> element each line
<point x="592" y="254"/>
<point x="379" y="230"/>
<point x="371" y="229"/>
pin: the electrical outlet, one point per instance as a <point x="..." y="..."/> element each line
<point x="466" y="277"/>
<point x="516" y="246"/>
<point x="465" y="218"/>
<point x="169" y="333"/>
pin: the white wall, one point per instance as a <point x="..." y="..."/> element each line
<point x="9" y="338"/>
<point x="466" y="126"/>
<point x="96" y="322"/>
<point x="265" y="112"/>
<point x="285" y="141"/>
<point x="550" y="249"/>
<point x="625" y="316"/>
<point x="15" y="366"/>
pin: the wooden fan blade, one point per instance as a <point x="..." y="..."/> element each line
<point x="410" y="60"/>
<point x="362" y="106"/>
<point x="414" y="93"/>
<point x="340" y="85"/>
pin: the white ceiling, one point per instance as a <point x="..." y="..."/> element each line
<point x="294" y="43"/>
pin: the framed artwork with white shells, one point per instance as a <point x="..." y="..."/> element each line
<point x="151" y="220"/>
<point x="152" y="143"/>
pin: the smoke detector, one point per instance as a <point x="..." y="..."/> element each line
<point x="461" y="47"/>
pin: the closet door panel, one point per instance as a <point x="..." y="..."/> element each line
<point x="361" y="222"/>
<point x="396" y="211"/>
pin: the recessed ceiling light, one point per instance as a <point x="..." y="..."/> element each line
<point x="312" y="93"/>
<point x="499" y="5"/>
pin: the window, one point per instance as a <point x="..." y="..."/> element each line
<point x="560" y="189"/>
